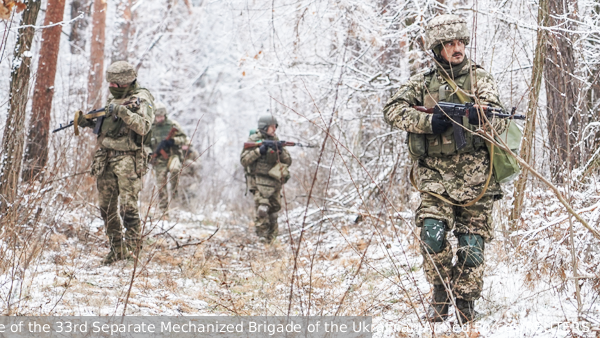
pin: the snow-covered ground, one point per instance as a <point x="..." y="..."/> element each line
<point x="343" y="268"/>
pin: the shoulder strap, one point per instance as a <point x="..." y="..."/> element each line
<point x="464" y="98"/>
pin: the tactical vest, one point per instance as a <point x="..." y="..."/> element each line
<point x="118" y="136"/>
<point x="442" y="145"/>
<point x="161" y="131"/>
<point x="265" y="163"/>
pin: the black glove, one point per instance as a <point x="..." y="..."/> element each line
<point x="439" y="124"/>
<point x="474" y="116"/>
<point x="263" y="149"/>
<point x="166" y="144"/>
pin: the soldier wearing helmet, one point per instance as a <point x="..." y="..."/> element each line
<point x="122" y="157"/>
<point x="265" y="187"/>
<point x="166" y="170"/>
<point x="456" y="194"/>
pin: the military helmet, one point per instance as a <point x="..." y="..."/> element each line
<point x="444" y="28"/>
<point x="267" y="120"/>
<point x="160" y="109"/>
<point x="121" y="73"/>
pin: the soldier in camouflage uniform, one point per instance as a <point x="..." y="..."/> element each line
<point x="459" y="176"/>
<point x="258" y="163"/>
<point x="189" y="178"/>
<point x="122" y="157"/>
<point x="163" y="168"/>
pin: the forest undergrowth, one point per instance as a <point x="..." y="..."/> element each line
<point x="211" y="263"/>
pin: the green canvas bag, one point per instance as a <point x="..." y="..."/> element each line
<point x="506" y="167"/>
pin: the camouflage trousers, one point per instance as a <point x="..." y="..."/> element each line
<point x="118" y="188"/>
<point x="267" y="227"/>
<point x="162" y="171"/>
<point x="466" y="282"/>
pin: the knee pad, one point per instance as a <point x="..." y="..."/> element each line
<point x="470" y="250"/>
<point x="433" y="235"/>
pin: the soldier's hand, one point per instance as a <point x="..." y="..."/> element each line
<point x="263" y="149"/>
<point x="166" y="144"/>
<point x="132" y="103"/>
<point x="439" y="124"/>
<point x="474" y="116"/>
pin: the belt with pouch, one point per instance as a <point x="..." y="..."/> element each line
<point x="115" y="153"/>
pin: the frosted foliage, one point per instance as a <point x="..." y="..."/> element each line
<point x="325" y="69"/>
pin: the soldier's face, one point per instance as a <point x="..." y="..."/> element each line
<point x="271" y="130"/>
<point x="159" y="119"/>
<point x="453" y="51"/>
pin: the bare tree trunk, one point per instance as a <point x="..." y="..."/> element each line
<point x="14" y="130"/>
<point x="561" y="93"/>
<point x="532" y="107"/>
<point x="36" y="154"/>
<point x="96" y="74"/>
<point x="79" y="27"/>
<point x="121" y="41"/>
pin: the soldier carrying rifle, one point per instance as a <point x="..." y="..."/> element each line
<point x="453" y="171"/>
<point x="266" y="166"/>
<point x="122" y="157"/>
<point x="167" y="140"/>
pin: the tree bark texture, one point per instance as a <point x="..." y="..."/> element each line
<point x="36" y="154"/>
<point x="14" y="130"/>
<point x="79" y="27"/>
<point x="96" y="74"/>
<point x="121" y="39"/>
<point x="532" y="107"/>
<point x="561" y="92"/>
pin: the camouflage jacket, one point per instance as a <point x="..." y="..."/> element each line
<point x="257" y="166"/>
<point x="124" y="128"/>
<point x="461" y="176"/>
<point x="160" y="133"/>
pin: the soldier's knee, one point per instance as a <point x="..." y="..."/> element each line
<point x="470" y="250"/>
<point x="433" y="235"/>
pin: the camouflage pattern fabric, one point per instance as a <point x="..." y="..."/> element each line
<point x="120" y="162"/>
<point x="460" y="177"/>
<point x="118" y="188"/>
<point x="267" y="227"/>
<point x="266" y="190"/>
<point x="120" y="72"/>
<point x="444" y="28"/>
<point x="167" y="180"/>
<point x="467" y="282"/>
<point x="189" y="179"/>
<point x="164" y="168"/>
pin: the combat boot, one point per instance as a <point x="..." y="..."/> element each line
<point x="465" y="310"/>
<point x="438" y="309"/>
<point x="116" y="253"/>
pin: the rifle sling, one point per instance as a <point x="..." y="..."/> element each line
<point x="463" y="97"/>
<point x="468" y="204"/>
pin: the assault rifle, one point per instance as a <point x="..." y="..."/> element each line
<point x="97" y="114"/>
<point x="456" y="112"/>
<point x="161" y="149"/>
<point x="275" y="145"/>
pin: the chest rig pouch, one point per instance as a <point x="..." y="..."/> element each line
<point x="422" y="145"/>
